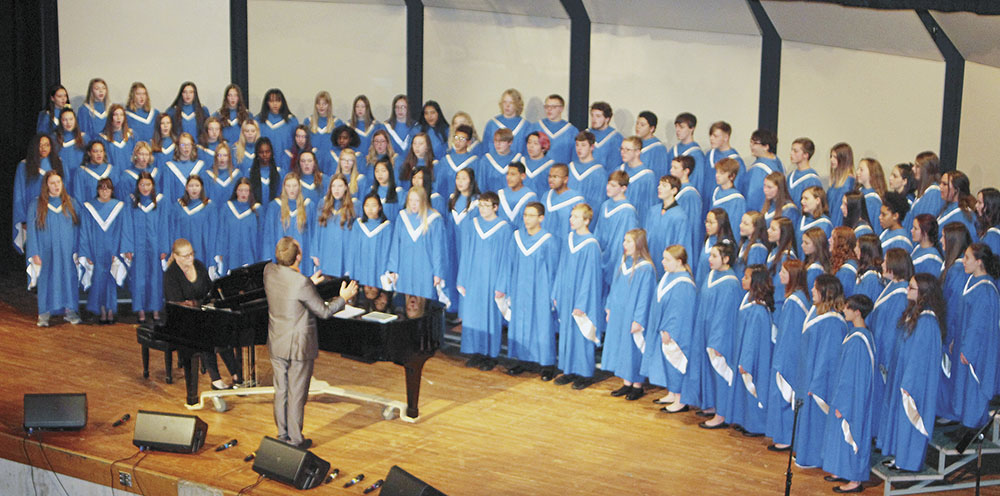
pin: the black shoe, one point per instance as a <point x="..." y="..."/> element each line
<point x="635" y="393"/>
<point x="565" y="379"/>
<point x="517" y="370"/>
<point x="487" y="364"/>
<point x="142" y="322"/>
<point x="832" y="478"/>
<point x="747" y="433"/>
<point x="775" y="448"/>
<point x="622" y="391"/>
<point x="548" y="373"/>
<point x="739" y="428"/>
<point x="705" y="425"/>
<point x="475" y="361"/>
<point x="305" y="444"/>
<point x="701" y="413"/>
<point x="583" y="383"/>
<point x="857" y="489"/>
<point x="684" y="409"/>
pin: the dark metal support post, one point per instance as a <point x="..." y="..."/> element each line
<point x="579" y="63"/>
<point x="239" y="54"/>
<point x="954" y="81"/>
<point x="770" y="68"/>
<point x="415" y="54"/>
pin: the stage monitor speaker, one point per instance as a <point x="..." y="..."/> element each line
<point x="169" y="432"/>
<point x="401" y="483"/>
<point x="64" y="412"/>
<point x="289" y="464"/>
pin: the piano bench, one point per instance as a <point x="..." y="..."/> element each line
<point x="144" y="335"/>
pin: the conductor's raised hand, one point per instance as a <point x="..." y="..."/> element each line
<point x="347" y="291"/>
<point x="317" y="277"/>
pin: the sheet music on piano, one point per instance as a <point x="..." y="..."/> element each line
<point x="349" y="312"/>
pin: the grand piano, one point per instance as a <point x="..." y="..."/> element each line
<point x="235" y="315"/>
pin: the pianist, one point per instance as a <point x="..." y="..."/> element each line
<point x="292" y="307"/>
<point x="186" y="282"/>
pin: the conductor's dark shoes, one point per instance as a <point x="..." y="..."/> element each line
<point x="548" y="373"/>
<point x="565" y="379"/>
<point x="583" y="382"/>
<point x="305" y="444"/>
<point x="622" y="391"/>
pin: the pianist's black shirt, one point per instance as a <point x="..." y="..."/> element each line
<point x="177" y="288"/>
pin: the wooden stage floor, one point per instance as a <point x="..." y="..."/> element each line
<point x="479" y="432"/>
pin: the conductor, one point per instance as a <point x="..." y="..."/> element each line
<point x="292" y="307"/>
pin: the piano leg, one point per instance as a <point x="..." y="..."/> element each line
<point x="145" y="362"/>
<point x="168" y="362"/>
<point x="189" y="362"/>
<point x="414" y="369"/>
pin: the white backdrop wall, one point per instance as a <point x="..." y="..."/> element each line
<point x="304" y="47"/>
<point x="471" y="57"/>
<point x="885" y="106"/>
<point x="715" y="76"/>
<point x="124" y="41"/>
<point x="977" y="155"/>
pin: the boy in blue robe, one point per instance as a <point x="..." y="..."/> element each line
<point x="560" y="132"/>
<point x="690" y="200"/>
<point x="485" y="245"/>
<point x="763" y="144"/>
<point x="615" y="218"/>
<point x="511" y="106"/>
<point x="668" y="223"/>
<point x="726" y="196"/>
<point x="894" y="234"/>
<point x="457" y="158"/>
<point x="585" y="174"/>
<point x="803" y="176"/>
<point x="100" y="237"/>
<point x="515" y="196"/>
<point x="684" y="125"/>
<point x="654" y="152"/>
<point x="536" y="165"/>
<point x="491" y="168"/>
<point x="846" y="445"/>
<point x="718" y="139"/>
<point x="532" y="268"/>
<point x="576" y="296"/>
<point x="608" y="139"/>
<point x="641" y="181"/>
<point x="559" y="202"/>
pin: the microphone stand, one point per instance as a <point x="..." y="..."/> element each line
<point x="791" y="446"/>
<point x="977" y="436"/>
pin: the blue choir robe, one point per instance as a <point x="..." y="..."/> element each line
<point x="873" y="203"/>
<point x="562" y="140"/>
<point x="407" y="183"/>
<point x="447" y="168"/>
<point x="889" y="307"/>
<point x="246" y="161"/>
<point x="756" y="173"/>
<point x="691" y="201"/>
<point x="701" y="273"/>
<point x="144" y="235"/>
<point x="438" y="144"/>
<point x="557" y="210"/>
<point x="614" y="219"/>
<point x="399" y="136"/>
<point x="125" y="186"/>
<point x="332" y="242"/>
<point x="141" y="123"/>
<point x="976" y="382"/>
<point x="166" y="152"/>
<point x="800" y="180"/>
<point x="992" y="239"/>
<point x="316" y="191"/>
<point x="86" y="177"/>
<point x="819" y="359"/>
<point x="56" y="245"/>
<point x="391" y="209"/>
<point x="485" y="247"/>
<point x="929" y="203"/>
<point x="927" y="260"/>
<point x="749" y="254"/>
<point x="464" y="210"/>
<point x="369" y="251"/>
<point x="119" y="148"/>
<point x="537" y="171"/>
<point x="627" y="302"/>
<point x="239" y="230"/>
<point x="952" y="213"/>
<point x="641" y="190"/>
<point x="206" y="153"/>
<point x="870" y="284"/>
<point x="175" y="176"/>
<point x="863" y="228"/>
<point x="779" y="288"/>
<point x="813" y="271"/>
<point x="700" y="177"/>
<point x="847" y="444"/>
<point x="713" y="157"/>
<point x="718" y="304"/>
<point x="365" y="132"/>
<point x="92" y="117"/>
<point x="231" y="125"/>
<point x="654" y="155"/>
<point x="672" y="311"/>
<point x="26" y="191"/>
<point x="578" y="286"/>
<point x="100" y="239"/>
<point x="196" y="223"/>
<point x="896" y="238"/>
<point x="512" y="205"/>
<point x="320" y="139"/>
<point x="952" y="288"/>
<point x="591" y="180"/>
<point x="517" y="124"/>
<point x="48" y="121"/>
<point x="219" y="188"/>
<point x="491" y="170"/>
<point x="835" y="197"/>
<point x="70" y="154"/>
<point x="807" y="222"/>
<point x="784" y="377"/>
<point x="280" y="131"/>
<point x="284" y="159"/>
<point x="752" y="365"/>
<point x="912" y="395"/>
<point x="607" y="146"/>
<point x="733" y="203"/>
<point x="532" y="267"/>
<point x="188" y="118"/>
<point x="665" y="228"/>
<point x="415" y="254"/>
<point x="265" y="199"/>
<point x="788" y="211"/>
<point x="272" y="230"/>
<point x="848" y="276"/>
